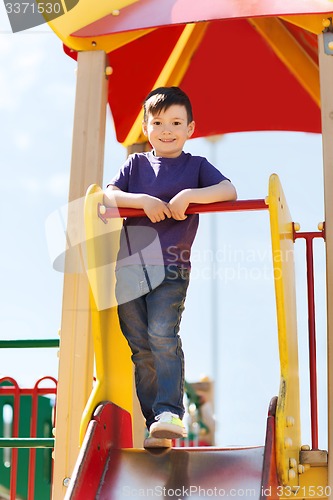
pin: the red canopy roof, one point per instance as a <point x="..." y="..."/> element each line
<point x="237" y="80"/>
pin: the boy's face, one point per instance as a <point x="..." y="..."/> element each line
<point x="168" y="131"/>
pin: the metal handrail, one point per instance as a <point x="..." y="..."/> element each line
<point x="28" y="343"/>
<point x="26" y="442"/>
<point x="105" y="213"/>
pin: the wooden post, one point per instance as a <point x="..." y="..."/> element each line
<point x="326" y="90"/>
<point x="76" y="353"/>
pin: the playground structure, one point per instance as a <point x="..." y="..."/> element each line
<point x="274" y="470"/>
<point x="100" y="41"/>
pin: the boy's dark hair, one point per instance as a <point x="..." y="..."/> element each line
<point x="162" y="98"/>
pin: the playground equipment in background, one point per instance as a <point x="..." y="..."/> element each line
<point x="27" y="419"/>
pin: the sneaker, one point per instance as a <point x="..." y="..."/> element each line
<point x="152" y="442"/>
<point x="168" y="425"/>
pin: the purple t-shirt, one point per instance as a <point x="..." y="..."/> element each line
<point x="169" y="241"/>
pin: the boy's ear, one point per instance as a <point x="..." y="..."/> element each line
<point x="190" y="129"/>
<point x="144" y="128"/>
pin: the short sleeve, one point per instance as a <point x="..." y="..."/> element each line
<point x="210" y="175"/>
<point x="121" y="179"/>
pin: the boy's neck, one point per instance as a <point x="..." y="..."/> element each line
<point x="163" y="156"/>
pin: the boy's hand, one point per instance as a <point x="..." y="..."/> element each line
<point x="178" y="205"/>
<point x="156" y="209"/>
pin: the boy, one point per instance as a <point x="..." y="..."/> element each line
<point x="153" y="264"/>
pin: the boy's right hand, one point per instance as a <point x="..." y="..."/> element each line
<point x="156" y="209"/>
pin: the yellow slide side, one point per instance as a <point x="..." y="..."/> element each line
<point x="113" y="365"/>
<point x="288" y="429"/>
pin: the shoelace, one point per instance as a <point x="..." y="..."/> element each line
<point x="166" y="415"/>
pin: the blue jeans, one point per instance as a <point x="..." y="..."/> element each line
<point x="150" y="324"/>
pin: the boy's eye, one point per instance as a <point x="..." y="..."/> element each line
<point x="176" y="123"/>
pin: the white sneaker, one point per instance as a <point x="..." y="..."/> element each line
<point x="167" y="426"/>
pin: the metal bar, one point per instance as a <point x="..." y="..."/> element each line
<point x="26" y="442"/>
<point x="309" y="237"/>
<point x="312" y="343"/>
<point x="15" y="432"/>
<point x="26" y="343"/>
<point x="32" y="452"/>
<point x="194" y="208"/>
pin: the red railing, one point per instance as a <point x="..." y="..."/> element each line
<point x="309" y="237"/>
<point x="16" y="391"/>
<point x="106" y="213"/>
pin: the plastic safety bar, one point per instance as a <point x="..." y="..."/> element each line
<point x="105" y="213"/>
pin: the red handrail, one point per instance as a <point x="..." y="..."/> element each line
<point x="194" y="208"/>
<point x="33" y="433"/>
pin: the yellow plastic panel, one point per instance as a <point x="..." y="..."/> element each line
<point x="113" y="363"/>
<point x="288" y="432"/>
<point x="312" y="23"/>
<point x="84" y="14"/>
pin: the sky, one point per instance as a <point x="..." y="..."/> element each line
<point x="229" y="329"/>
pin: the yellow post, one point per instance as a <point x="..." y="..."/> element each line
<point x="302" y="473"/>
<point x="113" y="365"/>
<point x="76" y="355"/>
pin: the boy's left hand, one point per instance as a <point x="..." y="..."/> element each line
<point x="178" y="205"/>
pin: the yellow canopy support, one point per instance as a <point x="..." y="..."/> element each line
<point x="84" y="14"/>
<point x="289" y="51"/>
<point x="173" y="71"/>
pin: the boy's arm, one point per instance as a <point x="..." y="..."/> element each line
<point x="154" y="208"/>
<point x="224" y="191"/>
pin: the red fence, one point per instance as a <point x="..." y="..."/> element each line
<point x="15" y="441"/>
